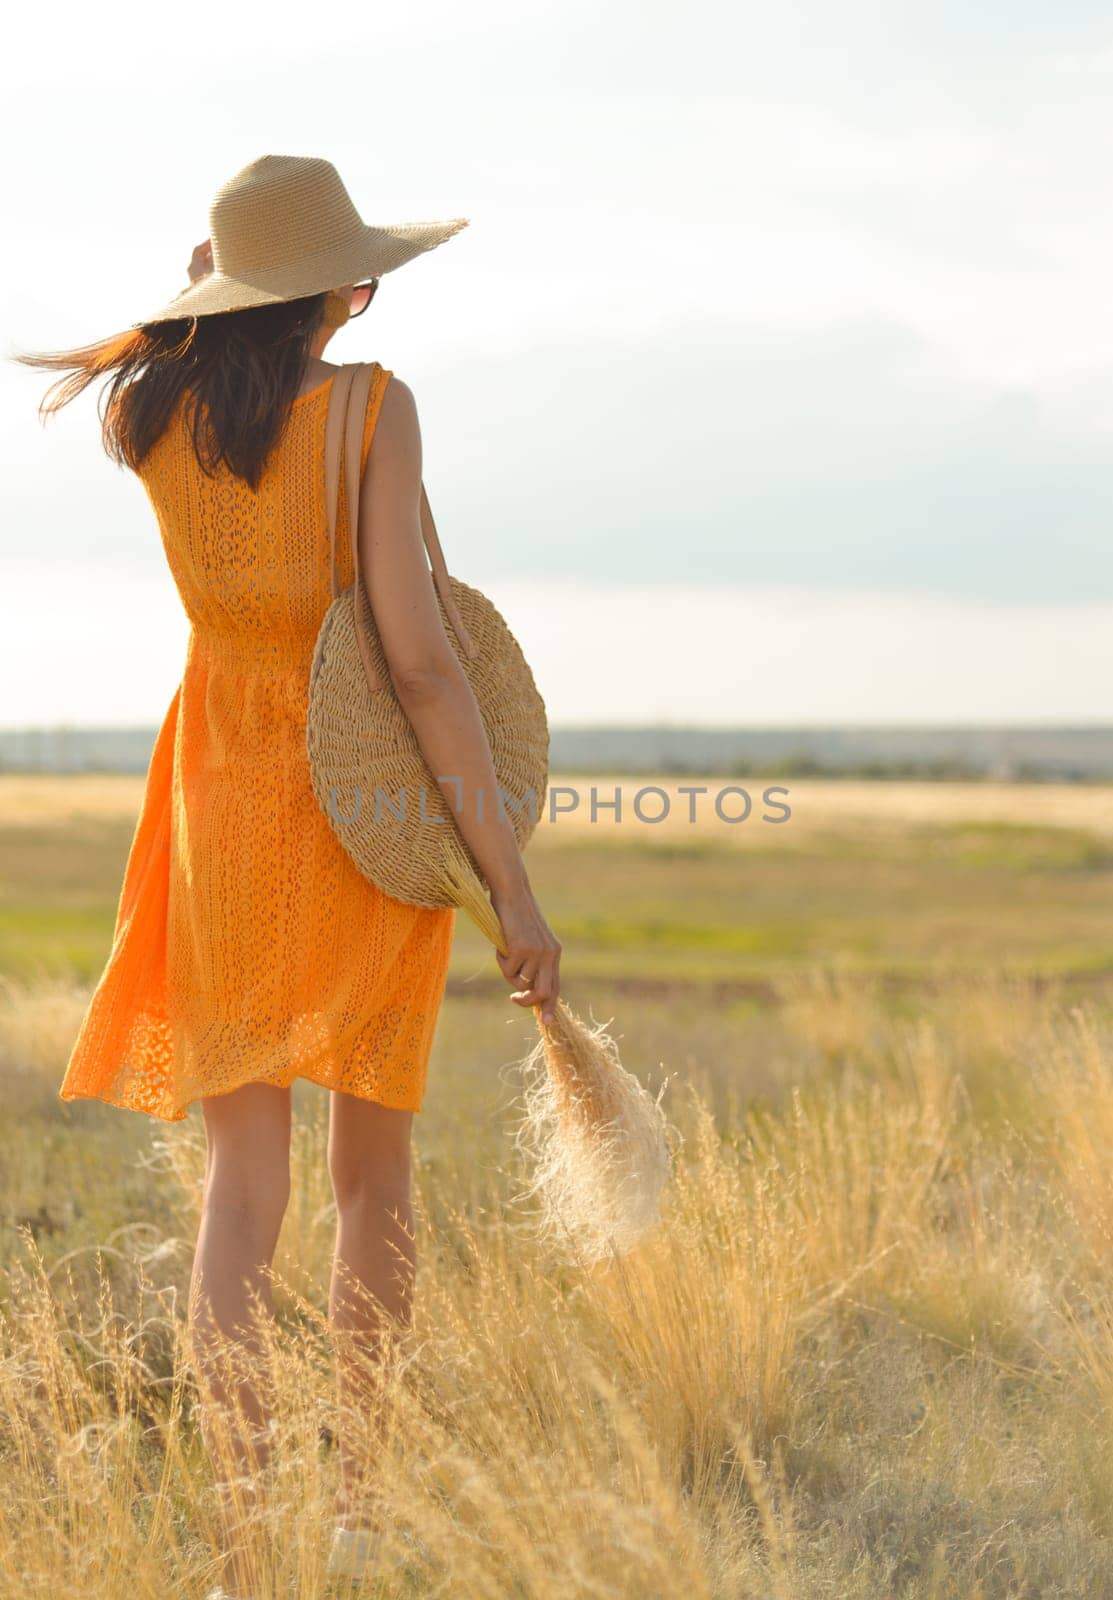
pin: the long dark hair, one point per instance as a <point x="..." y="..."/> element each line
<point x="239" y="371"/>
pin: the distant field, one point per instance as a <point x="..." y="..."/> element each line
<point x="819" y="802"/>
<point x="906" y="881"/>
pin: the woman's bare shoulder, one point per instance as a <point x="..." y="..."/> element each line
<point x="399" y="396"/>
<point x="397" y="423"/>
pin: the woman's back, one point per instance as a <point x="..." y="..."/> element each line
<point x="252" y="565"/>
<point x="248" y="947"/>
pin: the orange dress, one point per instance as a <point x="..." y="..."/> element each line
<point x="248" y="947"/>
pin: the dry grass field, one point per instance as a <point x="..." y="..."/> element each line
<point x="867" y="1353"/>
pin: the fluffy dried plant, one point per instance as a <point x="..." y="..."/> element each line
<point x="597" y="1139"/>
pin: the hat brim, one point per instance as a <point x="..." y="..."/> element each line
<point x="376" y="252"/>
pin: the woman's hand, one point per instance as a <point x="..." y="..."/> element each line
<point x="201" y="262"/>
<point x="532" y="956"/>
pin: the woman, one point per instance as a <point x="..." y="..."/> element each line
<point x="248" y="949"/>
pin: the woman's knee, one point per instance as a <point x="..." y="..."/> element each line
<point x="248" y="1172"/>
<point x="253" y="1206"/>
<point x="368" y="1153"/>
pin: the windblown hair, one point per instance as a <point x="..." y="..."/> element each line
<point x="239" y="372"/>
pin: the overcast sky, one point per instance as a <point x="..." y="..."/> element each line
<point x="771" y="382"/>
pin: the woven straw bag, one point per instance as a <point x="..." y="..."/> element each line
<point x="368" y="773"/>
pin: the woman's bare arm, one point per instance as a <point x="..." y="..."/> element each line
<point x="434" y="692"/>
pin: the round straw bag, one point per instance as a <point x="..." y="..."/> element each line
<point x="368" y="772"/>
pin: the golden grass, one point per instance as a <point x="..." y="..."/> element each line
<point x="868" y="1350"/>
<point x="31" y="798"/>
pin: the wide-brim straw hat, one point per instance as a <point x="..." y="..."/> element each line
<point x="285" y="227"/>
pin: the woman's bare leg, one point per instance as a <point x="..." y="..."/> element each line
<point x="369" y="1165"/>
<point x="247" y="1187"/>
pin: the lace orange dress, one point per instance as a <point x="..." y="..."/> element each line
<point x="248" y="948"/>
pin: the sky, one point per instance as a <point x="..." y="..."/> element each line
<point x="771" y="382"/>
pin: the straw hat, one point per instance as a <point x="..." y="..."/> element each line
<point x="285" y="227"/>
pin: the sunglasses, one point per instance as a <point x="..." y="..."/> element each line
<point x="362" y="296"/>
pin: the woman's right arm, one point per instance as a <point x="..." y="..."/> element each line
<point x="435" y="694"/>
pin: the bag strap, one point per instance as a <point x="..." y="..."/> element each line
<point x="334" y="439"/>
<point x="440" y="577"/>
<point x="344" y="424"/>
